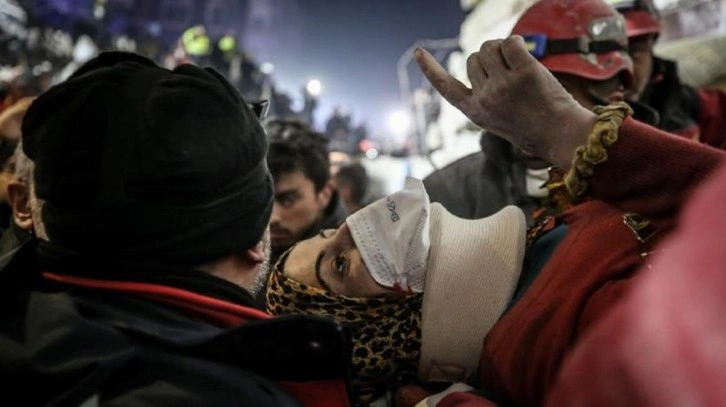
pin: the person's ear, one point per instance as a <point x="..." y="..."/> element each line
<point x="19" y="200"/>
<point x="257" y="253"/>
<point x="325" y="195"/>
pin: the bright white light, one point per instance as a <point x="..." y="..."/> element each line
<point x="315" y="87"/>
<point x="267" y="68"/>
<point x="399" y="122"/>
<point x="372" y="154"/>
<point x="99" y="12"/>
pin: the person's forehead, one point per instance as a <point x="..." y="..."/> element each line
<point x="305" y="251"/>
<point x="292" y="180"/>
<point x="299" y="264"/>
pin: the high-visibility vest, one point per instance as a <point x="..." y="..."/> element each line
<point x="227" y="44"/>
<point x="195" y="42"/>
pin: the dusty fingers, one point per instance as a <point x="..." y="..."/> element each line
<point x="449" y="87"/>
<point x="515" y="53"/>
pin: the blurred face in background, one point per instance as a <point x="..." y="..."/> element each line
<point x="298" y="208"/>
<point x="7" y="176"/>
<point x="641" y="52"/>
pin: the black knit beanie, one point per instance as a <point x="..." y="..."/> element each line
<point x="142" y="163"/>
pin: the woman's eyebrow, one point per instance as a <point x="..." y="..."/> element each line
<point x="318" y="262"/>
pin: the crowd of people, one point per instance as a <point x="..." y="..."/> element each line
<point x="44" y="55"/>
<point x="166" y="243"/>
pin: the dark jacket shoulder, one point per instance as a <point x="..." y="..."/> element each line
<point x="482" y="183"/>
<point x="677" y="104"/>
<point x="455" y="185"/>
<point x="74" y="345"/>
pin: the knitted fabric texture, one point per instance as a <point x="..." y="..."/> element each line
<point x="603" y="135"/>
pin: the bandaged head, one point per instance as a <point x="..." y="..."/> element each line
<point x="392" y="235"/>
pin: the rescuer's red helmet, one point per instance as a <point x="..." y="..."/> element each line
<point x="641" y="16"/>
<point x="585" y="38"/>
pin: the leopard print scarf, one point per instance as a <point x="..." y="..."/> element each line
<point x="386" y="330"/>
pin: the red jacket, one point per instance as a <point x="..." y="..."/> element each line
<point x="712" y="117"/>
<point x="693" y="113"/>
<point x="594" y="266"/>
<point x="664" y="345"/>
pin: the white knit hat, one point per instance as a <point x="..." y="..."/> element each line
<point x="473" y="269"/>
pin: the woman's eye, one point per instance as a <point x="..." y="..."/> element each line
<point x="341" y="265"/>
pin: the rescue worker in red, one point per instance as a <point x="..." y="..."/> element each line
<point x="695" y="113"/>
<point x="577" y="288"/>
<point x="602" y="249"/>
<point x="585" y="49"/>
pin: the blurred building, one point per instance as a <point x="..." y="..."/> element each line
<point x="692" y="18"/>
<point x="167" y="19"/>
<point x="59" y="14"/>
<point x="257" y="24"/>
<point x="270" y="26"/>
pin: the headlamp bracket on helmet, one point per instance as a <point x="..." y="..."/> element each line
<point x="540" y="46"/>
<point x="605" y="35"/>
<point x="260" y="108"/>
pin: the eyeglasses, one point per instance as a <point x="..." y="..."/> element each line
<point x="260" y="107"/>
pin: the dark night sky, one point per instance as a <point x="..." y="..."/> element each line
<point x="353" y="48"/>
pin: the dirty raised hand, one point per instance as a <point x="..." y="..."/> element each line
<point x="515" y="97"/>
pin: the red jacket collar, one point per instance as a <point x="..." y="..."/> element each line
<point x="219" y="312"/>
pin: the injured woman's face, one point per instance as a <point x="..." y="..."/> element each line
<point x="326" y="276"/>
<point x="331" y="261"/>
